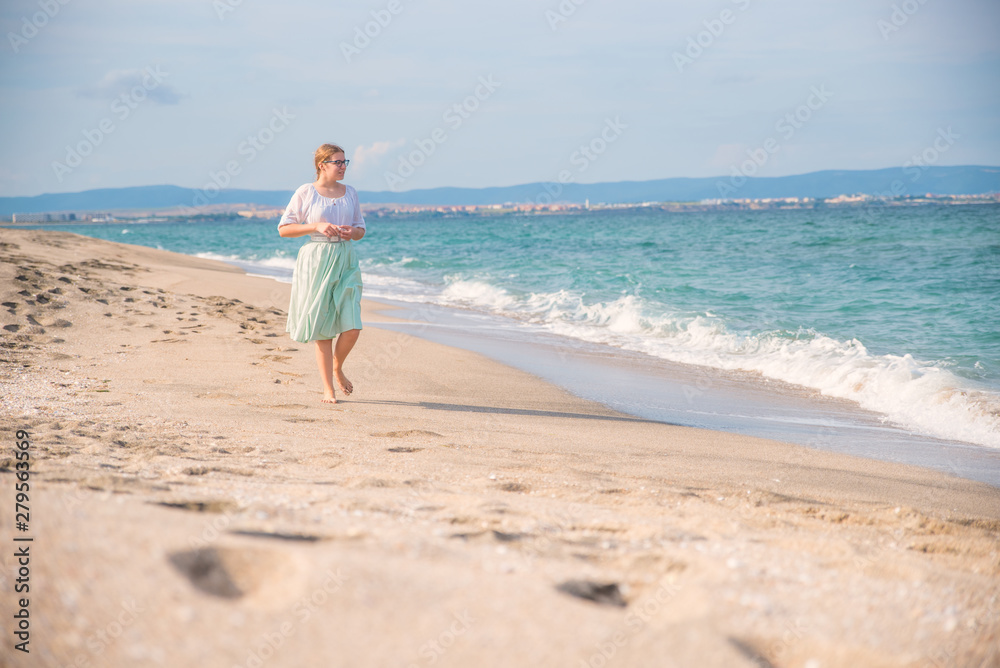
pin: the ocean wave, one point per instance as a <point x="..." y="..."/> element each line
<point x="921" y="396"/>
<point x="480" y="294"/>
<point x="275" y="266"/>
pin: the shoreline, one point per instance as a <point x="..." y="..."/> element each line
<point x="237" y="210"/>
<point x="922" y="388"/>
<point x="184" y="463"/>
<point x="675" y="393"/>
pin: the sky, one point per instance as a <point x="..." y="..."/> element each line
<point x="433" y="93"/>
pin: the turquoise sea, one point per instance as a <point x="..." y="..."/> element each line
<point x="896" y="310"/>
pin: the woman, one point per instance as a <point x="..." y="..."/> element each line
<point x="326" y="287"/>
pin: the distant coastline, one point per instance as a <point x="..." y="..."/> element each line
<point x="251" y="211"/>
<point x="883" y="187"/>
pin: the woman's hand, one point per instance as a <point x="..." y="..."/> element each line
<point x="329" y="229"/>
<point x="346" y="232"/>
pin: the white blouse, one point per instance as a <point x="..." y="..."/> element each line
<point x="308" y="206"/>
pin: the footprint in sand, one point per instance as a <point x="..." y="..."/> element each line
<point x="404" y="449"/>
<point x="260" y="577"/>
<point x="499" y="536"/>
<point x="303" y="537"/>
<point x="208" y="572"/>
<point x="213" y="506"/>
<point x="43" y="321"/>
<point x="515" y="487"/>
<point x="602" y="593"/>
<point x="508" y="537"/>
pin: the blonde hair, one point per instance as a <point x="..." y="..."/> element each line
<point x="325" y="152"/>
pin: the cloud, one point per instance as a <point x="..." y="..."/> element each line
<point x="139" y="84"/>
<point x="371" y="156"/>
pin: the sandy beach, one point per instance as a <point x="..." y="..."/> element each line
<point x="192" y="502"/>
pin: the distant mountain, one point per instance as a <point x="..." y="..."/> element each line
<point x="898" y="181"/>
<point x="970" y="180"/>
<point x="138" y="197"/>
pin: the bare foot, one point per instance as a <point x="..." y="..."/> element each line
<point x="345" y="385"/>
<point x="329" y="398"/>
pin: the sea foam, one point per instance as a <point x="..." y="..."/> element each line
<point x="920" y="396"/>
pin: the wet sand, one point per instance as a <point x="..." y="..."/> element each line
<point x="194" y="503"/>
<point x="695" y="396"/>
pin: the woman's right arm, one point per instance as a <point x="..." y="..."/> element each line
<point x="290" y="227"/>
<point x="291" y="230"/>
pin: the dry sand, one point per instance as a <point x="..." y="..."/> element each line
<point x="194" y="504"/>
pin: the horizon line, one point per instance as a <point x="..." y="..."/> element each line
<point x="517" y="185"/>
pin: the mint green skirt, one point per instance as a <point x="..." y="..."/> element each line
<point x="326" y="292"/>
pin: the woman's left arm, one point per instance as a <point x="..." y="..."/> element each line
<point x="351" y="232"/>
<point x="358" y="224"/>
